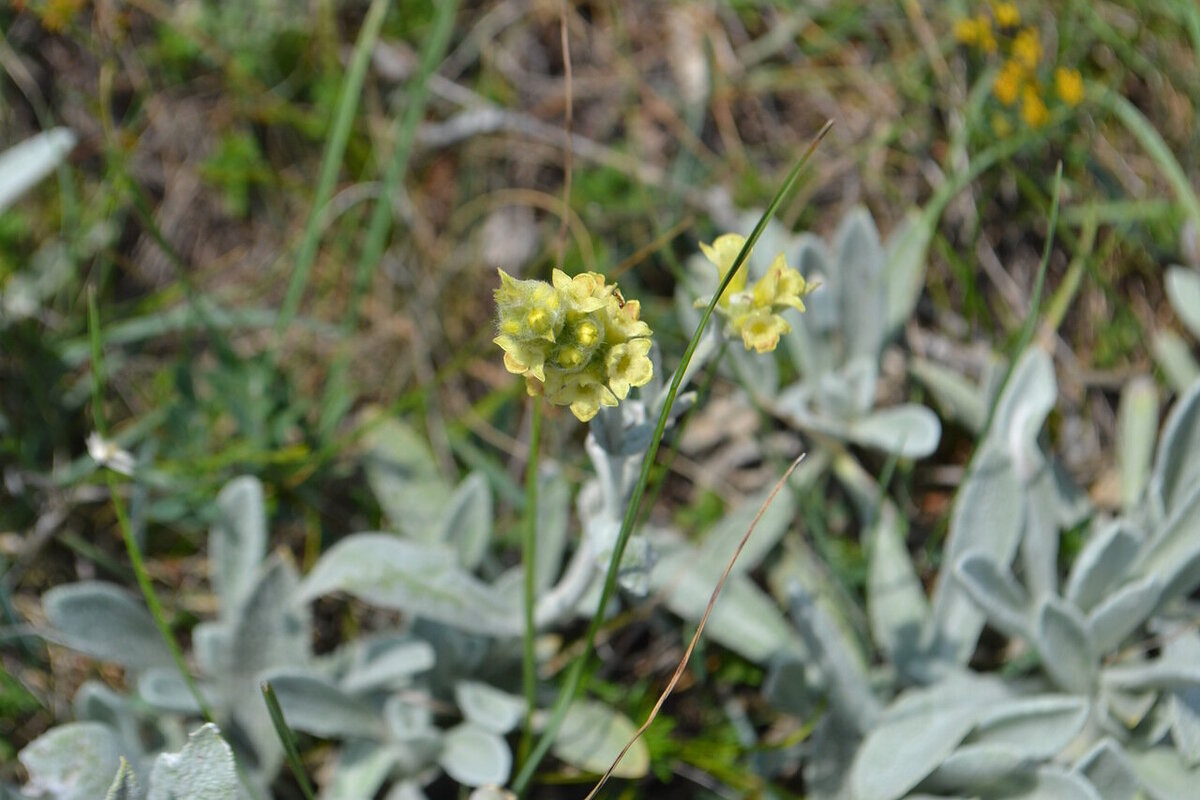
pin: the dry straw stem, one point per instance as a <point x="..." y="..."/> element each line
<point x="687" y="654"/>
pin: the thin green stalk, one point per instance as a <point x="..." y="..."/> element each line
<point x="335" y="149"/>
<point x="131" y="545"/>
<point x="529" y="563"/>
<point x="336" y="401"/>
<point x="1153" y="144"/>
<point x="577" y="677"/>
<point x="287" y="740"/>
<point x="1034" y="305"/>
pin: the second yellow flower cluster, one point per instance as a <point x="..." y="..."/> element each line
<point x="1018" y="77"/>
<point x="753" y="314"/>
<point x="577" y="341"/>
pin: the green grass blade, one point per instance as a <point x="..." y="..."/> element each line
<point x="337" y="398"/>
<point x="331" y="160"/>
<point x="287" y="740"/>
<point x="576" y="678"/>
<point x="1155" y="147"/>
<point x="1034" y="305"/>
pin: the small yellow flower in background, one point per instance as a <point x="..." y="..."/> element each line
<point x="1008" y="83"/>
<point x="752" y="313"/>
<point x="1027" y="49"/>
<point x="1007" y="15"/>
<point x="987" y="40"/>
<point x="1068" y="85"/>
<point x="966" y="31"/>
<point x="1033" y="110"/>
<point x="575" y="340"/>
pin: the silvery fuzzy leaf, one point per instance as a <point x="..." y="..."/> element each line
<point x="423" y="580"/>
<point x="408" y="790"/>
<point x="988" y="518"/>
<point x="906" y="255"/>
<point x="553" y="523"/>
<point x="474" y="756"/>
<point x="591" y="736"/>
<point x="204" y="768"/>
<point x="744" y="619"/>
<point x="721" y="540"/>
<point x="1183" y="290"/>
<point x="26" y="163"/>
<point x="896" y="604"/>
<point x="973" y="767"/>
<point x="359" y="770"/>
<point x="273" y="629"/>
<point x="1034" y="728"/>
<point x="1176" y="471"/>
<point x="1022" y="410"/>
<point x="211" y="647"/>
<point x="1065" y="647"/>
<point x="389" y="665"/>
<point x="1185" y="724"/>
<point x="1174" y="355"/>
<point x="637" y="562"/>
<point x="1163" y="673"/>
<point x="488" y="707"/>
<point x="405" y="478"/>
<point x="76" y="761"/>
<point x="1025" y="402"/>
<point x="314" y="705"/>
<point x="166" y="690"/>
<point x="827" y="767"/>
<point x="1053" y="783"/>
<point x="758" y="373"/>
<point x="1173" y="553"/>
<point x="958" y="398"/>
<point x="409" y="718"/>
<point x="997" y="593"/>
<point x="1128" y="708"/>
<point x="1053" y="505"/>
<point x="1104" y="560"/>
<point x="845" y="678"/>
<point x="104" y="621"/>
<point x="859" y="263"/>
<point x="95" y="702"/>
<point x="491" y="793"/>
<point x="909" y="431"/>
<point x="791" y="686"/>
<point x="1108" y="770"/>
<point x="237" y="542"/>
<point x="1137" y="428"/>
<point x="915" y="735"/>
<point x="1120" y="614"/>
<point x="124" y="786"/>
<point x="466" y="524"/>
<point x="1163" y="776"/>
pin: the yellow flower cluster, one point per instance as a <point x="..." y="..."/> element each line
<point x="753" y="314"/>
<point x="577" y="341"/>
<point x="1018" y="81"/>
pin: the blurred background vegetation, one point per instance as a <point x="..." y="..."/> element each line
<point x="222" y="206"/>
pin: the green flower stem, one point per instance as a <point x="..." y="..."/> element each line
<point x="529" y="559"/>
<point x="287" y="739"/>
<point x="577" y="677"/>
<point x="131" y="546"/>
